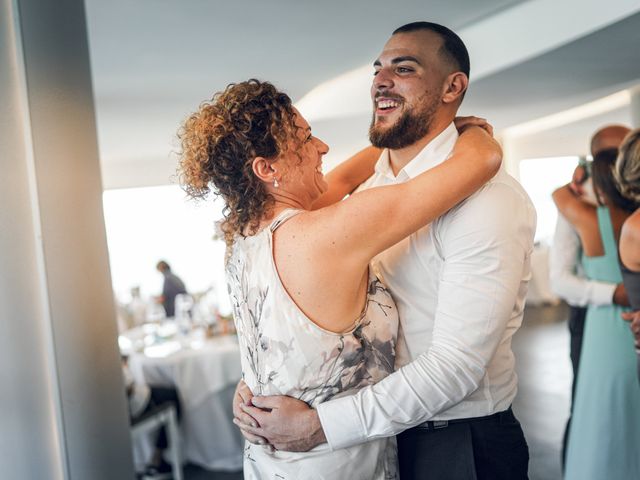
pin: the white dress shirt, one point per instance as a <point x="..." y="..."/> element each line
<point x="460" y="285"/>
<point x="565" y="272"/>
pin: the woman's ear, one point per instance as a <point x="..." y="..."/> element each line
<point x="264" y="169"/>
<point x="454" y="87"/>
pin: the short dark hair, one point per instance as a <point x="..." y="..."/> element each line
<point x="162" y="266"/>
<point x="453" y="48"/>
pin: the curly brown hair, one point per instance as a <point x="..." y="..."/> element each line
<point x="220" y="141"/>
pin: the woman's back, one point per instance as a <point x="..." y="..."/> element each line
<point x="604" y="267"/>
<point x="285" y="353"/>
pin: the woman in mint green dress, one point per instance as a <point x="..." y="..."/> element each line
<point x="604" y="437"/>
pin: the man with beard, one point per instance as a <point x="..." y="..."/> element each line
<point x="460" y="286"/>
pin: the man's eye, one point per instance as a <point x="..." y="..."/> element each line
<point x="404" y="70"/>
<point x="375" y="72"/>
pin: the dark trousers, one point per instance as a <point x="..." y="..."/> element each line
<point x="160" y="396"/>
<point x="577" y="316"/>
<point x="488" y="448"/>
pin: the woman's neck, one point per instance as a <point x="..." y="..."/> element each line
<point x="283" y="201"/>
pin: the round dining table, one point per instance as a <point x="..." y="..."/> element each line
<point x="204" y="371"/>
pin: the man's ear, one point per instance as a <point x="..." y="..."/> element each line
<point x="263" y="169"/>
<point x="454" y="87"/>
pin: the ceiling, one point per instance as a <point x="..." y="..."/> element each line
<point x="154" y="61"/>
<point x="590" y="67"/>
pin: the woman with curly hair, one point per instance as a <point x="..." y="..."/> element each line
<point x="607" y="393"/>
<point x="627" y="173"/>
<point x="313" y="320"/>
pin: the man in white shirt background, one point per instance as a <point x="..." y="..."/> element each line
<point x="565" y="272"/>
<point x="460" y="286"/>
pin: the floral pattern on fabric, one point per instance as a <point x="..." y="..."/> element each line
<point x="344" y="362"/>
<point x="285" y="353"/>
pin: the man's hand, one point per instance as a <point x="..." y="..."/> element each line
<point x="462" y="123"/>
<point x="620" y="296"/>
<point x="634" y="319"/>
<point x="243" y="396"/>
<point x="286" y="423"/>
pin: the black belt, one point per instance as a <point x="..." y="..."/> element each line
<point x="438" y="424"/>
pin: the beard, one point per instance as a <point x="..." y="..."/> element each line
<point x="412" y="125"/>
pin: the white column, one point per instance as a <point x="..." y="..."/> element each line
<point x="62" y="401"/>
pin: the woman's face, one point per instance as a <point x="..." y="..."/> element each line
<point x="301" y="166"/>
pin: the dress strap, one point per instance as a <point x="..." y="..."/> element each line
<point x="283" y="217"/>
<point x="606" y="232"/>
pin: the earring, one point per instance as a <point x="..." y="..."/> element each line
<point x="275" y="183"/>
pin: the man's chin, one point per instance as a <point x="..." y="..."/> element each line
<point x="382" y="128"/>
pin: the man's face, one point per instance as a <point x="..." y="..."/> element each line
<point x="407" y="89"/>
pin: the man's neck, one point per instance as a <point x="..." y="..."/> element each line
<point x="400" y="158"/>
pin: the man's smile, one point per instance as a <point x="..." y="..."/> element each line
<point x="386" y="105"/>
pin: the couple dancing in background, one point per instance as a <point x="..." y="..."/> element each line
<point x="603" y="434"/>
<point x="390" y="312"/>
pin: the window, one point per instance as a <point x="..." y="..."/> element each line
<point x="540" y="177"/>
<point x="148" y="224"/>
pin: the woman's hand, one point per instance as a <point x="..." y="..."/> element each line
<point x="477" y="139"/>
<point x="462" y="123"/>
<point x="243" y="396"/>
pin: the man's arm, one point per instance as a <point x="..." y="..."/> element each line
<point x="487" y="248"/>
<point x="565" y="283"/>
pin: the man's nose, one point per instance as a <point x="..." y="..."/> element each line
<point x="382" y="80"/>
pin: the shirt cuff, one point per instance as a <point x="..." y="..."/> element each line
<point x="603" y="293"/>
<point x="341" y="423"/>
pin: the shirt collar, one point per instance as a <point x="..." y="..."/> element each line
<point x="434" y="153"/>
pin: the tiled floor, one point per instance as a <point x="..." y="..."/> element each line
<point x="542" y="404"/>
<point x="541" y="347"/>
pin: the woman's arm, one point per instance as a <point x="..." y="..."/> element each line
<point x="371" y="221"/>
<point x="571" y="206"/>
<point x="347" y="176"/>
<point x="630" y="242"/>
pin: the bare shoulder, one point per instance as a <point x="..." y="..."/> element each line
<point x="309" y="236"/>
<point x="630" y="242"/>
<point x="631" y="229"/>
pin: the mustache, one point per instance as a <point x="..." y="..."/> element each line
<point x="391" y="96"/>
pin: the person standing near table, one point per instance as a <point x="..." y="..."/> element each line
<point x="172" y="287"/>
<point x="566" y="275"/>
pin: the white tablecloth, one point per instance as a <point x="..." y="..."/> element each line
<point x="205" y="373"/>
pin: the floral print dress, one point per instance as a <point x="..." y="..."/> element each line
<point x="284" y="353"/>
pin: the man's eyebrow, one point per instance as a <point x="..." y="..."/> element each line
<point x="405" y="58"/>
